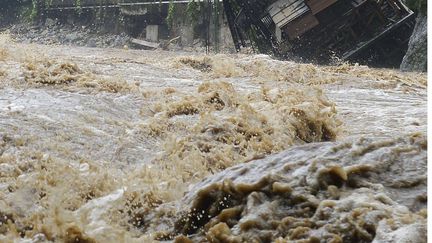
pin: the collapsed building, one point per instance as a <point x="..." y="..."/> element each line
<point x="367" y="31"/>
<point x="321" y="30"/>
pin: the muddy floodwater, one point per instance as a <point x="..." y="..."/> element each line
<point x="118" y="145"/>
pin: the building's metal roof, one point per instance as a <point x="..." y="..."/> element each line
<point x="285" y="11"/>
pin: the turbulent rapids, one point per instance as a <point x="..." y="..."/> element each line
<point x="112" y="145"/>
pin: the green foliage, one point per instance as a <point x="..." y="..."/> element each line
<point x="417" y="5"/>
<point x="14" y="10"/>
<point x="34" y="10"/>
<point x="48" y="3"/>
<point x="27" y="13"/>
<point x="170" y="16"/>
<point x="192" y="11"/>
<point x="79" y="6"/>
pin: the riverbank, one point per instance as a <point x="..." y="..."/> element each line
<point x="55" y="33"/>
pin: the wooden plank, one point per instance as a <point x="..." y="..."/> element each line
<point x="317" y="6"/>
<point x="300" y="26"/>
<point x="285" y="11"/>
<point x="148" y="44"/>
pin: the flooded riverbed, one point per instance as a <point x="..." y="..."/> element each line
<point x="101" y="145"/>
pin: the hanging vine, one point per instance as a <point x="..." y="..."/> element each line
<point x="34" y="10"/>
<point x="170" y="17"/>
<point x="99" y="14"/>
<point x="79" y="6"/>
<point x="48" y="3"/>
<point x="193" y="11"/>
<point x="160" y="6"/>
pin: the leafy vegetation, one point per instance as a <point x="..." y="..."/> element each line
<point x="48" y="3"/>
<point x="34" y="10"/>
<point x="418" y="5"/>
<point x="13" y="10"/>
<point x="170" y="16"/>
<point x="192" y="11"/>
<point x="79" y="6"/>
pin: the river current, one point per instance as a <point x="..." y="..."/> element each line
<point x="117" y="145"/>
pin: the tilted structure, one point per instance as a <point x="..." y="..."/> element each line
<point x="322" y="29"/>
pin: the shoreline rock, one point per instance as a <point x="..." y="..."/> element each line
<point x="416" y="57"/>
<point x="54" y="33"/>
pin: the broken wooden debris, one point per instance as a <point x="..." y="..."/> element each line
<point x="148" y="44"/>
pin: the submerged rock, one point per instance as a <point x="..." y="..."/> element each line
<point x="362" y="191"/>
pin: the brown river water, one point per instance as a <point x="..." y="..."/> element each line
<point x="113" y="145"/>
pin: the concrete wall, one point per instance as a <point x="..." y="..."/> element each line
<point x="152" y="33"/>
<point x="194" y="34"/>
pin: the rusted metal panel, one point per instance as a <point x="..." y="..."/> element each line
<point x="317" y="6"/>
<point x="285" y="11"/>
<point x="300" y="25"/>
